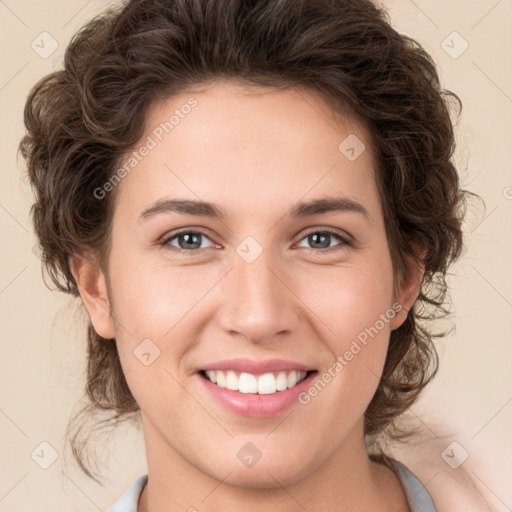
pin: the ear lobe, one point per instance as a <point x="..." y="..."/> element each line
<point x="408" y="291"/>
<point x="93" y="289"/>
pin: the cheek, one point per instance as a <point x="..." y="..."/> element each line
<point x="151" y="299"/>
<point x="354" y="304"/>
<point x="345" y="386"/>
<point x="153" y="305"/>
<point x="349" y="299"/>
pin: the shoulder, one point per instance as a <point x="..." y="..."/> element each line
<point x="450" y="488"/>
<point x="418" y="497"/>
<point x="129" y="500"/>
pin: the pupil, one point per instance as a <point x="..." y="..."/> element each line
<point x="189" y="237"/>
<point x="314" y="239"/>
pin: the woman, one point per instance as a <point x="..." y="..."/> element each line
<point x="256" y="203"/>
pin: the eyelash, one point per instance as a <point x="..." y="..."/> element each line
<point x="345" y="242"/>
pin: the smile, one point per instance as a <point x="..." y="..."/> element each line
<point x="255" y="388"/>
<point x="264" y="384"/>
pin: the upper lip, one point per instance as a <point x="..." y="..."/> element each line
<point x="257" y="367"/>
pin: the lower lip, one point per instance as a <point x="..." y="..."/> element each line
<point x="255" y="405"/>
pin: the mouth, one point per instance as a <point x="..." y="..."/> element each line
<point x="261" y="384"/>
<point x="256" y="388"/>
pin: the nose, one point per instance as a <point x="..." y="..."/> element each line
<point x="258" y="302"/>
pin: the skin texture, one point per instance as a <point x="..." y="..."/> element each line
<point x="255" y="153"/>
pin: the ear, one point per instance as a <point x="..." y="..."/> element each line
<point x="92" y="286"/>
<point x="409" y="290"/>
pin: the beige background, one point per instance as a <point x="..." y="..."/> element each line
<point x="43" y="347"/>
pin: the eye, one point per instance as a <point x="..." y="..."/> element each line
<point x="190" y="241"/>
<point x="186" y="240"/>
<point x="321" y="240"/>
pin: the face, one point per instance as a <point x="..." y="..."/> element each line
<point x="264" y="286"/>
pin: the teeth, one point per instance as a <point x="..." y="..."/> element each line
<point x="265" y="384"/>
<point x="247" y="383"/>
<point x="231" y="381"/>
<point x="212" y="376"/>
<point x="282" y="381"/>
<point x="221" y="379"/>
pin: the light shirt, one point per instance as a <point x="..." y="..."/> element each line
<point x="417" y="496"/>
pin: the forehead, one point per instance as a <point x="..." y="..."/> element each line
<point x="243" y="146"/>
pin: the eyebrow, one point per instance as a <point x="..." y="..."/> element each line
<point x="301" y="209"/>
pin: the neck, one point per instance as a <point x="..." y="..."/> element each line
<point x="348" y="480"/>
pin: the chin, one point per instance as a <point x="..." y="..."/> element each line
<point x="269" y="472"/>
<point x="262" y="478"/>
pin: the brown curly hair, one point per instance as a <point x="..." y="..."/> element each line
<point x="82" y="120"/>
